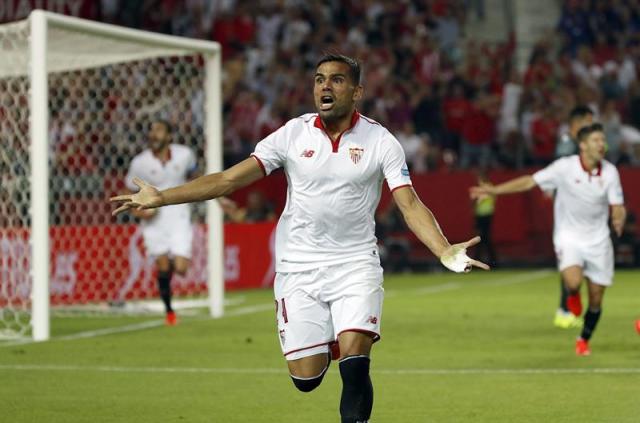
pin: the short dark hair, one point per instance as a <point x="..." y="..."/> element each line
<point x="579" y="112"/>
<point x="166" y="123"/>
<point x="583" y="133"/>
<point x="354" y="66"/>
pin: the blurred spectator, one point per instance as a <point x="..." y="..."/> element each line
<point x="456" y="107"/>
<point x="466" y="97"/>
<point x="415" y="147"/>
<point x="448" y="32"/>
<point x="257" y="209"/>
<point x="478" y="133"/>
<point x="544" y="129"/>
<point x="508" y="136"/>
<point x="585" y="68"/>
<point x="610" y="119"/>
<point x="574" y="24"/>
<point x="579" y="117"/>
<point x="427" y="113"/>
<point x="610" y="83"/>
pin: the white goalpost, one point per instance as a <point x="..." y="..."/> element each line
<point x="76" y="99"/>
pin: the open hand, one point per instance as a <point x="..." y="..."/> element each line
<point x="481" y="191"/>
<point x="618" y="226"/>
<point x="455" y="257"/>
<point x="147" y="198"/>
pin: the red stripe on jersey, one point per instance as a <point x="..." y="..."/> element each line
<point x="336" y="143"/>
<point x="260" y="163"/>
<point x="401" y="186"/>
<point x="371" y="121"/>
<point x="590" y="172"/>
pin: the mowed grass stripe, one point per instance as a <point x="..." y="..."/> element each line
<point x="124" y="369"/>
<point x="240" y="311"/>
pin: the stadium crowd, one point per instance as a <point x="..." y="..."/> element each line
<point x="451" y="101"/>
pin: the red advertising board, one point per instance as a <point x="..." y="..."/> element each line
<point x="103" y="263"/>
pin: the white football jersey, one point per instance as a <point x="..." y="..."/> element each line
<point x="581" y="205"/>
<point x="333" y="189"/>
<point x="174" y="172"/>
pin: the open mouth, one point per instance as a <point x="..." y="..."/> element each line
<point x="326" y="102"/>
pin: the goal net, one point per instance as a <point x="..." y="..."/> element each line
<point x="76" y="101"/>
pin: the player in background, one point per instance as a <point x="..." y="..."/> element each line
<point x="586" y="186"/>
<point x="257" y="209"/>
<point x="567" y="145"/>
<point x="483" y="210"/>
<point x="328" y="285"/>
<point x="579" y="117"/>
<point x="167" y="232"/>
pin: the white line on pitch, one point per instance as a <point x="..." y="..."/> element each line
<point x="521" y="278"/>
<point x="237" y="370"/>
<point x="450" y="286"/>
<point x="109" y="331"/>
<point x="139" y="326"/>
<point x="437" y="288"/>
<point x="250" y="309"/>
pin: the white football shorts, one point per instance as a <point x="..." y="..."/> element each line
<point x="596" y="260"/>
<point x="315" y="306"/>
<point x="168" y="237"/>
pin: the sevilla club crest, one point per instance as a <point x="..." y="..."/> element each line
<point x="356" y="154"/>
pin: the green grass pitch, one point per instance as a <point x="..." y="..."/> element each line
<point x="455" y="348"/>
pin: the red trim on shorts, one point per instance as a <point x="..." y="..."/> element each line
<point x="260" y="163"/>
<point x="374" y="335"/>
<point x="401" y="186"/>
<point x="307" y="348"/>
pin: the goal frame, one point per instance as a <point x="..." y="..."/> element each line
<point x="40" y="22"/>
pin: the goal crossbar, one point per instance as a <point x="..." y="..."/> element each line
<point x="117" y="44"/>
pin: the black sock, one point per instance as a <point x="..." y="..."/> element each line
<point x="591" y="318"/>
<point x="357" y="391"/>
<point x="164" y="286"/>
<point x="308" y="384"/>
<point x="564" y="294"/>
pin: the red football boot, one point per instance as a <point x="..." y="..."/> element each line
<point x="582" y="347"/>
<point x="171" y="319"/>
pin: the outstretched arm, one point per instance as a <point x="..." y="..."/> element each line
<point x="424" y="225"/>
<point x="520" y="184"/>
<point x="203" y="188"/>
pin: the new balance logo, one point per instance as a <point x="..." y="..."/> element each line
<point x="307" y="153"/>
